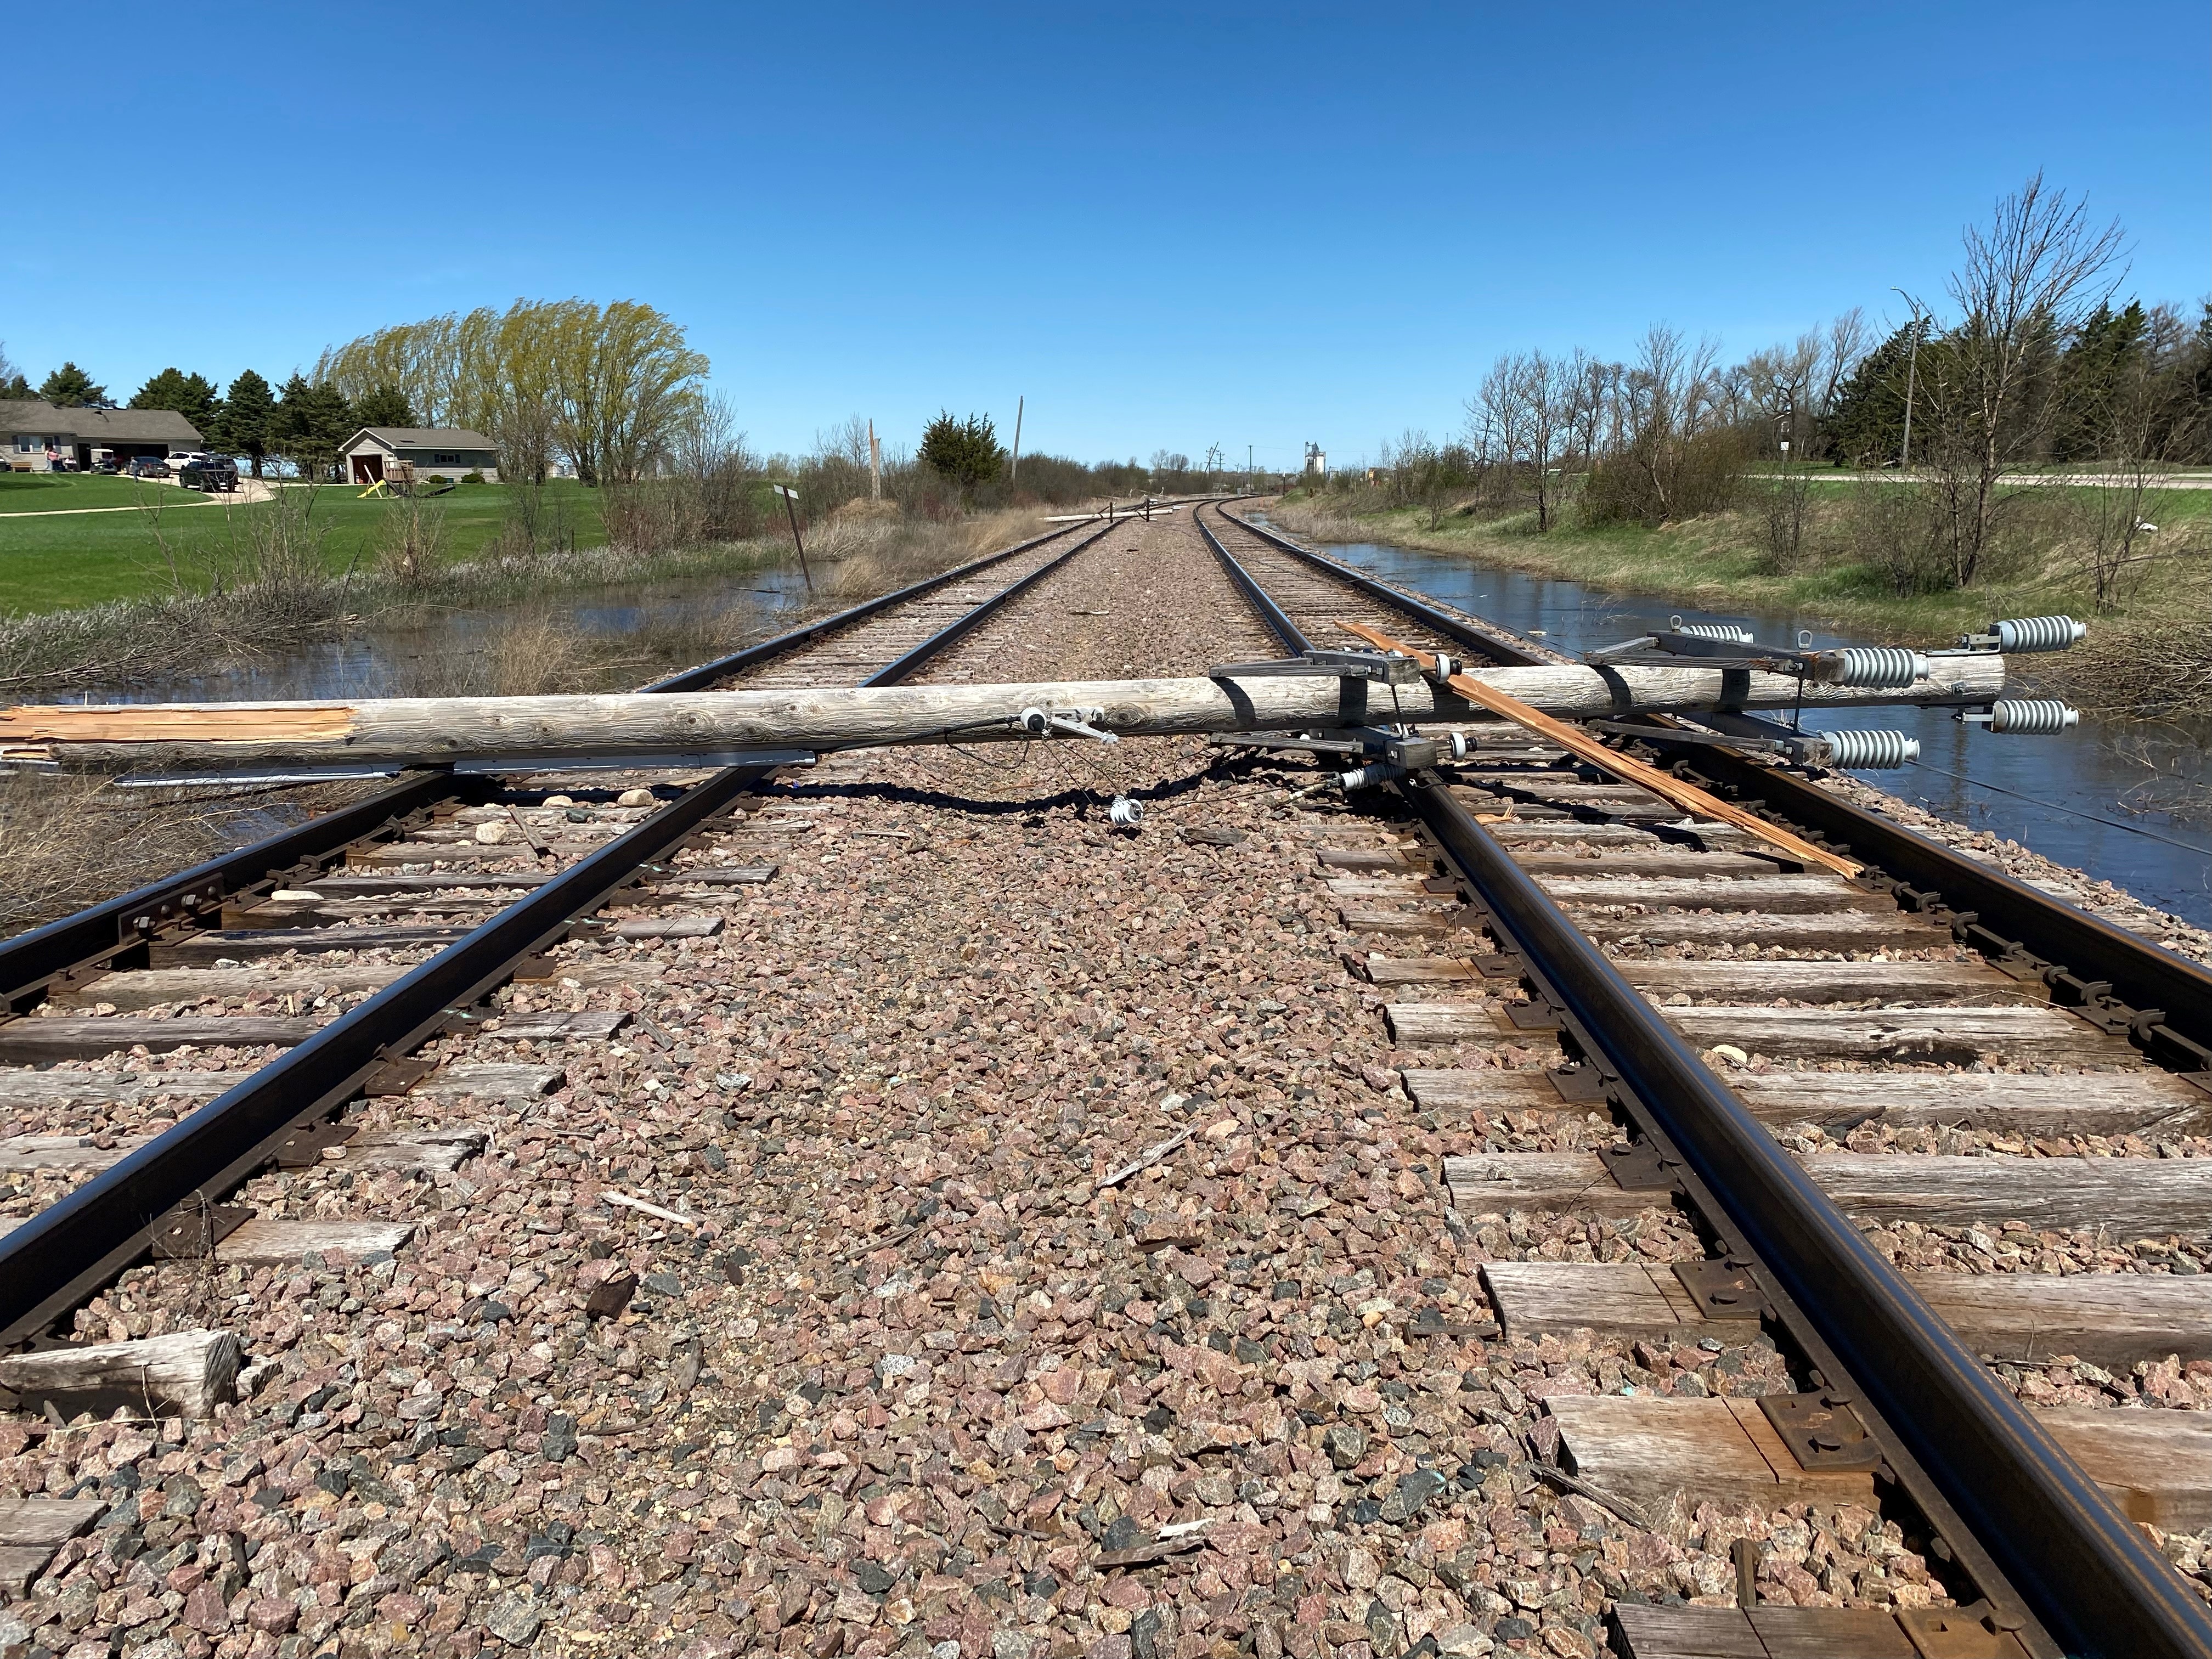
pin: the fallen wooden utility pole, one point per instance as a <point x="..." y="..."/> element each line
<point x="1575" y="741"/>
<point x="434" y="731"/>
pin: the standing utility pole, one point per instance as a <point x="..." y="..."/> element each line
<point x="791" y="507"/>
<point x="1912" y="375"/>
<point x="1015" y="471"/>
<point x="875" y="465"/>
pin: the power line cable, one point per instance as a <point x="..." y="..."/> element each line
<point x="2053" y="806"/>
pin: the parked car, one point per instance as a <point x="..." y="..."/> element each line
<point x="215" y="474"/>
<point x="149" y="466"/>
<point x="180" y="459"/>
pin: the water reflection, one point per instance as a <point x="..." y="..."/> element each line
<point x="2109" y="770"/>
<point x="403" y="661"/>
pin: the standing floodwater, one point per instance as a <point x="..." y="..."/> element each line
<point x="2102" y="769"/>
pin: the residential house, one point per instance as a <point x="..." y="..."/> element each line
<point x="442" y="452"/>
<point x="36" y="437"/>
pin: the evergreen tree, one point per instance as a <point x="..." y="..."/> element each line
<point x="383" y="405"/>
<point x="1867" y="426"/>
<point x="17" y="389"/>
<point x="193" y="396"/>
<point x="309" y="423"/>
<point x="966" y="452"/>
<point x="71" y="387"/>
<point x="242" y="425"/>
<point x="2106" y="352"/>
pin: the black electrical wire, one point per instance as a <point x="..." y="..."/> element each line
<point x="2053" y="806"/>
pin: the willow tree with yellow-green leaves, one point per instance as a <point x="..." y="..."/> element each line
<point x="607" y="387"/>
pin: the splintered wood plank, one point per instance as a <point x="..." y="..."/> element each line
<point x="1956" y="1037"/>
<point x="1774" y="894"/>
<point x="1845" y="930"/>
<point x="2111" y="1319"/>
<point x="1647" y="1448"/>
<point x="416" y="1151"/>
<point x="388" y="854"/>
<point x="668" y="928"/>
<point x="2132" y="1196"/>
<point x="1918" y="984"/>
<point x="47" y="1522"/>
<point x="152" y="987"/>
<point x="245" y="945"/>
<point x="264" y="1242"/>
<point x="589" y="1024"/>
<point x="31" y="1041"/>
<point x="186" y="1373"/>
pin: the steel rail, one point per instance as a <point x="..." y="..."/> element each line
<point x="1286" y="631"/>
<point x="2063" y="1546"/>
<point x="959" y="629"/>
<point x="30" y="960"/>
<point x="1997" y="911"/>
<point x="54" y="1260"/>
<point x="1497" y="646"/>
<point x="2014" y="1508"/>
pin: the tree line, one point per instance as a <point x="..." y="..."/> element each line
<point x="2031" y="360"/>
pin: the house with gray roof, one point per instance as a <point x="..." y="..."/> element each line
<point x="432" y="451"/>
<point x="35" y="436"/>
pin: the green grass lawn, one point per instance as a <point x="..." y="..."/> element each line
<point x="51" y="564"/>
<point x="66" y="492"/>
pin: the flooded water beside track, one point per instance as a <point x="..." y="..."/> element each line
<point x="2046" y="793"/>
<point x="412" y="660"/>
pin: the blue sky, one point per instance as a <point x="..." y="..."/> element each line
<point x="1168" y="227"/>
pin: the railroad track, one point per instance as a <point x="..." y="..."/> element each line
<point x="365" y="933"/>
<point x="494" y="1252"/>
<point x="1707" y="997"/>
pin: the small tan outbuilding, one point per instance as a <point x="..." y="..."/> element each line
<point x="434" y="451"/>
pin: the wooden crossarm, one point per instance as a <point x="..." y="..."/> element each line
<point x="1575" y="741"/>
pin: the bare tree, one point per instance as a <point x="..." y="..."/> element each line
<point x="2024" y="285"/>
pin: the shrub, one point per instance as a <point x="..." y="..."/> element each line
<point x="475" y="477"/>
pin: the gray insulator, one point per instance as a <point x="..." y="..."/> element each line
<point x="1446" y="666"/>
<point x="1460" y="747"/>
<point x="1862" y="750"/>
<point x="1879" y="665"/>
<point x="2038" y="633"/>
<point x="1034" y="721"/>
<point x="1732" y="633"/>
<point x="1127" y="813"/>
<point x="1367" y="777"/>
<point x="2033" y="717"/>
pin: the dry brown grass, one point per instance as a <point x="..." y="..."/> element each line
<point x="69" y="841"/>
